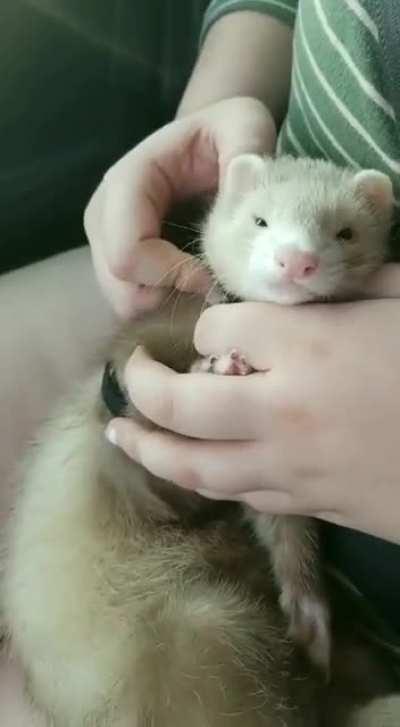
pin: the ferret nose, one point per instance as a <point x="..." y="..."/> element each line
<point x="295" y="263"/>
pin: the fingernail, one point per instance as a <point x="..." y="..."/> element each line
<point x="111" y="434"/>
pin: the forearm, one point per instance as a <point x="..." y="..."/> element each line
<point x="229" y="66"/>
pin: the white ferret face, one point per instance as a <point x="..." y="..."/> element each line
<point x="292" y="230"/>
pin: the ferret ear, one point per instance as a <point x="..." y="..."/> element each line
<point x="376" y="187"/>
<point x="243" y="174"/>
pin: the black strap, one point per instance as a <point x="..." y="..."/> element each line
<point x="111" y="392"/>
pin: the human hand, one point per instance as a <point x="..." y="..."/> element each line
<point x="183" y="159"/>
<point x="314" y="432"/>
<point x="385" y="283"/>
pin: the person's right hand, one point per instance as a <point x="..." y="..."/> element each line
<point x="183" y="159"/>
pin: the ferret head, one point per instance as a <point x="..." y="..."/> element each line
<point x="292" y="230"/>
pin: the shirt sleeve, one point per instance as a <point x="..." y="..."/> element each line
<point x="284" y="10"/>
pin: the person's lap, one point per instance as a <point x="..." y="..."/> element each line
<point x="53" y="318"/>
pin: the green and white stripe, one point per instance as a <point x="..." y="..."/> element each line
<point x="358" y="9"/>
<point x="360" y="125"/>
<point x="284" y="10"/>
<point x="338" y="107"/>
<point x="371" y="91"/>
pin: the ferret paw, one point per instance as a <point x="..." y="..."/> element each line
<point x="230" y="364"/>
<point x="309" y="625"/>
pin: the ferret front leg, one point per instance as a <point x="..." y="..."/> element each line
<point x="293" y="543"/>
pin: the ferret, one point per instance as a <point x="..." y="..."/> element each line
<point x="130" y="602"/>
<point x="292" y="231"/>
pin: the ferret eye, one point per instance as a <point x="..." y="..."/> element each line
<point x="345" y="234"/>
<point x="260" y="222"/>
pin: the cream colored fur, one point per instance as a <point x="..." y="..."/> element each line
<point x="306" y="203"/>
<point x="124" y="616"/>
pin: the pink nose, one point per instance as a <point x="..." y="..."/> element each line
<point x="295" y="263"/>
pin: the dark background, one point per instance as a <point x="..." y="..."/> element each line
<point x="81" y="82"/>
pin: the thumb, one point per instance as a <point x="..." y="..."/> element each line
<point x="254" y="130"/>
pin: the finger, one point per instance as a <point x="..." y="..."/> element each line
<point x="217" y="495"/>
<point x="271" y="498"/>
<point x="159" y="263"/>
<point x="178" y="161"/>
<point x="252" y="130"/>
<point x="264" y="333"/>
<point x="174" y="163"/>
<point x="275" y="502"/>
<point x="217" y="470"/>
<point x="127" y="299"/>
<point x="269" y="501"/>
<point x="227" y="468"/>
<point x="197" y="405"/>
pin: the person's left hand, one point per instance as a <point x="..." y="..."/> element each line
<point x="315" y="431"/>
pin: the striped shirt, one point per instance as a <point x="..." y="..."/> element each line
<point x="344" y="102"/>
